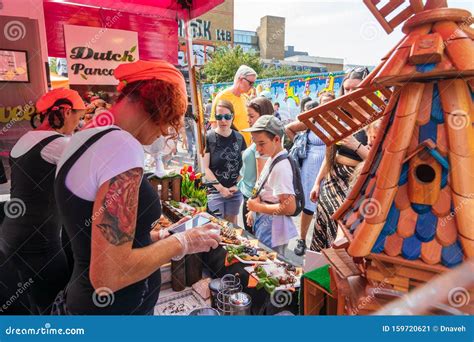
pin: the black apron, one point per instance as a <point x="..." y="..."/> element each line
<point x="76" y="213"/>
<point x="31" y="232"/>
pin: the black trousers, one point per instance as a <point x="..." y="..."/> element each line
<point x="41" y="275"/>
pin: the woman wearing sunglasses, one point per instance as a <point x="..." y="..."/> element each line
<point x="222" y="163"/>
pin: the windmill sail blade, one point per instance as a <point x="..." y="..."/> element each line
<point x="347" y="114"/>
<point x="382" y="13"/>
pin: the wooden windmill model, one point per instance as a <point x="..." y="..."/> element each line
<point x="410" y="215"/>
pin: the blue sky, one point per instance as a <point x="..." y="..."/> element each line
<point x="336" y="28"/>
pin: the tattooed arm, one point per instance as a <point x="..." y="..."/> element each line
<point x="114" y="264"/>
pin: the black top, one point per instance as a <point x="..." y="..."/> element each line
<point x="342" y="150"/>
<point x="76" y="213"/>
<point x="3" y="176"/>
<point x="31" y="220"/>
<point x="225" y="157"/>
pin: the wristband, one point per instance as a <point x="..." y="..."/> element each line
<point x="357" y="149"/>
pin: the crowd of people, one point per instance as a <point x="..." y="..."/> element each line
<point x="90" y="213"/>
<point x="264" y="189"/>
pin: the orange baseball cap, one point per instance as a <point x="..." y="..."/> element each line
<point x="47" y="100"/>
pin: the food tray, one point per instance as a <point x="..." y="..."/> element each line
<point x="298" y="274"/>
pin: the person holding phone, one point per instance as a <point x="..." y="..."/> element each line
<point x="222" y="162"/>
<point x="108" y="208"/>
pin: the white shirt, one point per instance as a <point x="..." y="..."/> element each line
<point x="50" y="153"/>
<point x="114" y="153"/>
<point x="280" y="182"/>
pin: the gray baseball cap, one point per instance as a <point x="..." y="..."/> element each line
<point x="268" y="123"/>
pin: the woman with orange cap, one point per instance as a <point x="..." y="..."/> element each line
<point x="108" y="207"/>
<point x="31" y="232"/>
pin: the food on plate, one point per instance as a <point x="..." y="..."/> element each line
<point x="161" y="223"/>
<point x="231" y="236"/>
<point x="277" y="274"/>
<point x="249" y="253"/>
<point x="182" y="208"/>
<point x="222" y="223"/>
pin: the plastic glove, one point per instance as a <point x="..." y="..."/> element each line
<point x="160" y="234"/>
<point x="197" y="240"/>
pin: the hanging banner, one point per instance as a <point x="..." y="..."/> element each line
<point x="94" y="52"/>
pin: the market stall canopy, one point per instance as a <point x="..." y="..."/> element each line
<point x="185" y="9"/>
<point x="154" y="20"/>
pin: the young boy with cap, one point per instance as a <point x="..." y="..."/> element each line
<point x="274" y="195"/>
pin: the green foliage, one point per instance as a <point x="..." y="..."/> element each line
<point x="281" y="71"/>
<point x="226" y="60"/>
<point x="52" y="65"/>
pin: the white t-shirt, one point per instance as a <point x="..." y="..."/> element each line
<point x="280" y="182"/>
<point x="113" y="154"/>
<point x="50" y="153"/>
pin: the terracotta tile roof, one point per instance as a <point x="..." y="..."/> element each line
<point x="414" y="199"/>
<point x="452" y="58"/>
<point x="437" y="228"/>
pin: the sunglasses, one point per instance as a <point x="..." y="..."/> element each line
<point x="227" y="117"/>
<point x="250" y="82"/>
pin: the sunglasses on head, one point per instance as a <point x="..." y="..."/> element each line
<point x="363" y="71"/>
<point x="220" y="117"/>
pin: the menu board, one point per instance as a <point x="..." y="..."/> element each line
<point x="13" y="66"/>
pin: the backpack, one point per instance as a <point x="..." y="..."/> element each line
<point x="297" y="184"/>
<point x="299" y="150"/>
<point x="212" y="140"/>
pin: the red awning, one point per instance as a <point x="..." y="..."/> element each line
<point x="154" y="20"/>
<point x="164" y="8"/>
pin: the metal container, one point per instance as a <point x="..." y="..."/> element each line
<point x="230" y="284"/>
<point x="204" y="312"/>
<point x="214" y="287"/>
<point x="240" y="304"/>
